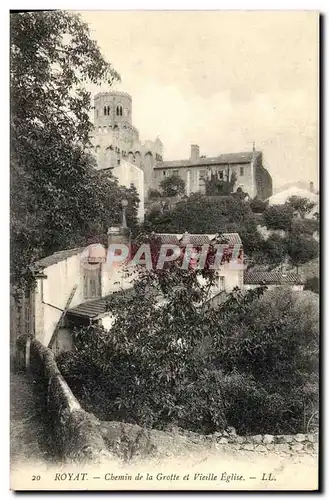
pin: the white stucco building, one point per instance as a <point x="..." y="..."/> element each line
<point x="63" y="274"/>
<point x="127" y="173"/>
<point x="229" y="275"/>
<point x="282" y="197"/>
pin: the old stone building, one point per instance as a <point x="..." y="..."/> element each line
<point x="116" y="144"/>
<point x="251" y="176"/>
<point x="115" y="139"/>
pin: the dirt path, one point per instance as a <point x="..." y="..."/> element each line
<point x="28" y="435"/>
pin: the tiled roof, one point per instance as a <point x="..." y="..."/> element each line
<point x="198" y="239"/>
<point x="271" y="278"/>
<point x="224" y="159"/>
<point x="56" y="257"/>
<point x="93" y="308"/>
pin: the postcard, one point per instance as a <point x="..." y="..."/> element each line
<point x="164" y="225"/>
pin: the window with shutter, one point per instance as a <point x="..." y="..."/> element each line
<point x="92" y="283"/>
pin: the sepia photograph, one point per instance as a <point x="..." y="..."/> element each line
<point x="164" y="250"/>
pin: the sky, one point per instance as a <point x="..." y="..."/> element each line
<point x="222" y="80"/>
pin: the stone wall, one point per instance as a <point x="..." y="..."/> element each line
<point x="262" y="443"/>
<point x="76" y="433"/>
<point x="133" y="442"/>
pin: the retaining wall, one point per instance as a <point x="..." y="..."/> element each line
<point x="76" y="433"/>
<point x="261" y="443"/>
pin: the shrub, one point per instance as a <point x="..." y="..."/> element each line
<point x="312" y="284"/>
<point x="251" y="363"/>
<point x="153" y="194"/>
<point x="278" y="217"/>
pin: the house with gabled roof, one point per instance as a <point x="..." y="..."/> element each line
<point x="273" y="279"/>
<point x="73" y="287"/>
<point x="63" y="281"/>
<point x="229" y="274"/>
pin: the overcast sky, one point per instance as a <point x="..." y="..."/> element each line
<point x="221" y="80"/>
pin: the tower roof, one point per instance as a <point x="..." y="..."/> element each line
<point x="112" y="93"/>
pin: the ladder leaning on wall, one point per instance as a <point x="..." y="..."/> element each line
<point x="59" y="323"/>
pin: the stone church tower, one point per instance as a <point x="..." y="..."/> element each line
<point x="116" y="141"/>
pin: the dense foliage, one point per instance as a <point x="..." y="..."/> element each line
<point x="312" y="284"/>
<point x="290" y="237"/>
<point x="216" y="186"/>
<point x="301" y="206"/>
<point x="206" y="214"/>
<point x="58" y="200"/>
<point x="153" y="194"/>
<point x="169" y="359"/>
<point x="278" y="217"/>
<point x="257" y="205"/>
<point x="172" y="185"/>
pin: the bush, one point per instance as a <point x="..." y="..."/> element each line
<point x="251" y="363"/>
<point x="275" y="353"/>
<point x="153" y="194"/>
<point x="172" y="186"/>
<point x="312" y="284"/>
<point x="278" y="217"/>
<point x="258" y="206"/>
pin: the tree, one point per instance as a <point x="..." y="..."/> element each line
<point x="202" y="214"/>
<point x="257" y="205"/>
<point x="278" y="217"/>
<point x="301" y="206"/>
<point x="58" y="200"/>
<point x="274" y="249"/>
<point x="172" y="186"/>
<point x="152" y="356"/>
<point x="252" y="362"/>
<point x="216" y="186"/>
<point x="301" y="248"/>
<point x="153" y="194"/>
<point x="270" y="355"/>
<point x="312" y="284"/>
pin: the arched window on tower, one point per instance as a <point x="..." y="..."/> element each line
<point x="105" y="110"/>
<point x="120" y="110"/>
<point x="108" y="110"/>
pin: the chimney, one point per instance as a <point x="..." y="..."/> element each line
<point x="312" y="187"/>
<point x="195" y="152"/>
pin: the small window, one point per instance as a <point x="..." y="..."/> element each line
<point x="108" y="110"/>
<point x="118" y="161"/>
<point x="221" y="175"/>
<point x="241" y="171"/>
<point x="118" y="111"/>
<point x="164" y="172"/>
<point x="105" y="110"/>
